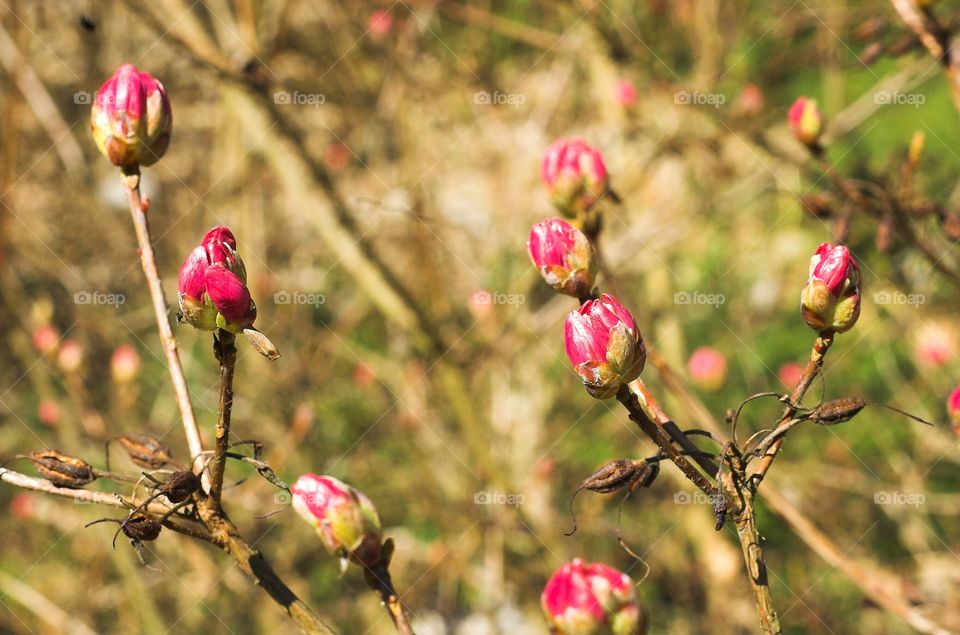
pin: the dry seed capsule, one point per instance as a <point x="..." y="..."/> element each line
<point x="62" y="470"/>
<point x="145" y="450"/>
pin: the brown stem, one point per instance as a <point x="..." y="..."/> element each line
<point x="817" y="353"/>
<point x="663" y="441"/>
<point x="936" y="40"/>
<point x="378" y="579"/>
<point x="882" y="587"/>
<point x="138" y="211"/>
<point x="226" y="351"/>
<point x="255" y="566"/>
<point x="753" y="557"/>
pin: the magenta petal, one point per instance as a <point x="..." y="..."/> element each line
<point x="551" y="242"/>
<point x="584" y="339"/>
<point x="228" y="293"/>
<point x="190" y="281"/>
<point x="215" y="242"/>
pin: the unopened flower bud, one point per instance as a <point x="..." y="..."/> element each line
<point x="131" y="118"/>
<point x="212" y="285"/>
<point x="380" y="23"/>
<point x="564" y="257"/>
<point x="46" y="338"/>
<point x="625" y="93"/>
<point x="953" y="409"/>
<point x="591" y="599"/>
<point x="124" y="364"/>
<point x="575" y="176"/>
<point x="70" y="356"/>
<point x="48" y="412"/>
<point x="604" y="345"/>
<point x="343" y="517"/>
<point x="62" y="470"/>
<point x="830" y="300"/>
<point x="145" y="450"/>
<point x="708" y="368"/>
<point x="806" y="120"/>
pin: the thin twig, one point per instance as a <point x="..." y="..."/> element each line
<point x="227" y="354"/>
<point x="378" y="579"/>
<point x="820" y="347"/>
<point x="138" y="211"/>
<point x="663" y="441"/>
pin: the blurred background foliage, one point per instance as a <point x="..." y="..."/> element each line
<point x="456" y="385"/>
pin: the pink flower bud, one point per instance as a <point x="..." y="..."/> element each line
<point x="790" y="374"/>
<point x="935" y="344"/>
<point x="806" y="120"/>
<point x="23" y="506"/>
<point x="751" y="100"/>
<point x="343" y="517"/>
<point x="131" y="118"/>
<point x="625" y="93"/>
<point x="604" y="346"/>
<point x="586" y="599"/>
<point x="564" y="256"/>
<point x="230" y="296"/>
<point x="830" y="300"/>
<point x="70" y="356"/>
<point x="124" y="364"/>
<point x="575" y="176"/>
<point x="48" y="413"/>
<point x="380" y="23"/>
<point x="708" y="368"/>
<point x="46" y="339"/>
<point x="953" y="410"/>
<point x="212" y="285"/>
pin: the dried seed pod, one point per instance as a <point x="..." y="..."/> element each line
<point x="615" y="475"/>
<point x="870" y="28"/>
<point x="179" y="486"/>
<point x="837" y="410"/>
<point x="871" y="53"/>
<point x="140" y="527"/>
<point x="951" y="226"/>
<point x="145" y="450"/>
<point x="62" y="470"/>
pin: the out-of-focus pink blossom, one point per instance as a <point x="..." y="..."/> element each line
<point x="48" y="412"/>
<point x="381" y="21"/>
<point x="625" y="93"/>
<point x="124" y="364"/>
<point x="708" y="368"/>
<point x="790" y="374"/>
<point x="46" y="338"/>
<point x="575" y="176"/>
<point x="583" y="598"/>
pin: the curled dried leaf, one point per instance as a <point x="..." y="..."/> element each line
<point x="616" y="475"/>
<point x="62" y="470"/>
<point x="145" y="450"/>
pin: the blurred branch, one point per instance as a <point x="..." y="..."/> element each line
<point x="935" y="38"/>
<point x="52" y="615"/>
<point x="878" y="584"/>
<point x="42" y="105"/>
